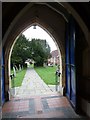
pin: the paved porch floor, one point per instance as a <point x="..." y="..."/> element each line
<point x="34" y="99"/>
<point x="44" y="106"/>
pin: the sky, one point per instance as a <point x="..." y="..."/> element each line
<point x="41" y="34"/>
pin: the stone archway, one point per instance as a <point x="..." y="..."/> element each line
<point x="20" y="25"/>
<point x="54" y="38"/>
<point x="35" y="13"/>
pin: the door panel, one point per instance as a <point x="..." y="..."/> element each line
<point x="67" y="63"/>
<point x="3" y="82"/>
<point x="72" y="62"/>
<point x="73" y="87"/>
<point x="68" y="81"/>
<point x="70" y="67"/>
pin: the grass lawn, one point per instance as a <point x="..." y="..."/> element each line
<point x="47" y="74"/>
<point x="17" y="81"/>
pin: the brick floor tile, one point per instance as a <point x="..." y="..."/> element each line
<point x="45" y="106"/>
<point x="54" y="114"/>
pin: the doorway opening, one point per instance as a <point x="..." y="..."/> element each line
<point x="51" y="65"/>
<point x="54" y="21"/>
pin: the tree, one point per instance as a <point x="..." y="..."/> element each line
<point x="36" y="49"/>
<point x="40" y="50"/>
<point x="20" y="51"/>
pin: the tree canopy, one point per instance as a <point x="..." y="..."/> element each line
<point x="36" y="49"/>
<point x="40" y="50"/>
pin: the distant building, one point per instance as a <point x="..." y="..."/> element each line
<point x="54" y="60"/>
<point x="29" y="61"/>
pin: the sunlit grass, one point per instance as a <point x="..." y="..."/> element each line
<point x="47" y="74"/>
<point x="17" y="81"/>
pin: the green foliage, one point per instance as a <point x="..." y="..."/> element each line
<point x="47" y="74"/>
<point x="36" y="49"/>
<point x="17" y="81"/>
<point x="41" y="51"/>
<point x="20" y="50"/>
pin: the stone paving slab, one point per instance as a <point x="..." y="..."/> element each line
<point x="32" y="85"/>
<point x="54" y="106"/>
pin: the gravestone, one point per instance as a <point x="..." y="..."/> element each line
<point x="19" y="67"/>
<point x="14" y="70"/>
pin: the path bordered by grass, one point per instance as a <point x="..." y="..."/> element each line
<point x="47" y="74"/>
<point x="17" y="81"/>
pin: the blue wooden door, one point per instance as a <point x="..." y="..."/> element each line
<point x="3" y="79"/>
<point x="70" y="63"/>
<point x="68" y="89"/>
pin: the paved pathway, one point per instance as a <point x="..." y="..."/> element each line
<point x="32" y="85"/>
<point x="32" y="101"/>
<point x="45" y="106"/>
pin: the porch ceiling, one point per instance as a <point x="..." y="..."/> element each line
<point x="11" y="9"/>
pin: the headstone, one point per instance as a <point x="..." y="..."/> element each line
<point x="16" y="68"/>
<point x="22" y="66"/>
<point x="19" y="67"/>
<point x="44" y="65"/>
<point x="14" y="71"/>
